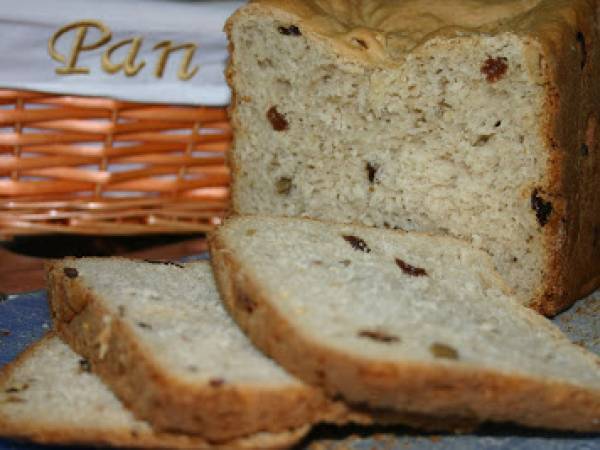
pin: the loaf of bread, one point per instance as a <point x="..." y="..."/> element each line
<point x="405" y="321"/>
<point x="474" y="118"/>
<point x="49" y="395"/>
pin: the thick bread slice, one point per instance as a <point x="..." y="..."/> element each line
<point x="48" y="395"/>
<point x="401" y="320"/>
<point x="158" y="335"/>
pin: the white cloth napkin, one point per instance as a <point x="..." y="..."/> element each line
<point x="26" y="27"/>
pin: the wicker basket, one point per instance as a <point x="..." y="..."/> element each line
<point x="107" y="167"/>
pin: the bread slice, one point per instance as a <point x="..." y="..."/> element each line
<point x="157" y="334"/>
<point x="401" y="320"/>
<point x="472" y="118"/>
<point x="48" y="395"/>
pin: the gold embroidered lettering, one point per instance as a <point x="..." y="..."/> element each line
<point x="128" y="65"/>
<point x="184" y="73"/>
<point x="79" y="45"/>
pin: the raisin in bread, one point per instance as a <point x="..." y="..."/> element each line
<point x="48" y="395"/>
<point x="468" y="117"/>
<point x="401" y="320"/>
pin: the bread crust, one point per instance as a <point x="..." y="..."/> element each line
<point x="481" y="394"/>
<point x="572" y="237"/>
<point x="153" y="393"/>
<point x="44" y="432"/>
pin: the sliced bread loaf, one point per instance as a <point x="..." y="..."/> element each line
<point x="474" y="118"/>
<point x="401" y="320"/>
<point x="48" y="395"/>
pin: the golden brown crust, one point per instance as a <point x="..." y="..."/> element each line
<point x="571" y="63"/>
<point x="44" y="433"/>
<point x="48" y="432"/>
<point x="390" y="29"/>
<point x="481" y="394"/>
<point x="156" y="395"/>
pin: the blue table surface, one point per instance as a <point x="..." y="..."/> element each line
<point x="27" y="318"/>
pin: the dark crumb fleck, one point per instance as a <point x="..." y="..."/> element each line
<point x="443" y="351"/>
<point x="250" y="232"/>
<point x="542" y="209"/>
<point x="283" y="185"/>
<point x="515" y="259"/>
<point x="317" y="263"/>
<point x="278" y="120"/>
<point x="144" y="325"/>
<point x="85" y="365"/>
<point x="379" y="336"/>
<point x="292" y="30"/>
<point x="166" y="263"/>
<point x="320" y="374"/>
<point x="121" y="310"/>
<point x="134" y="434"/>
<point x="245" y="302"/>
<point x="357" y="243"/>
<point x="216" y="382"/>
<point x="16" y="389"/>
<point x="3" y="296"/>
<point x="482" y="139"/>
<point x="584" y="150"/>
<point x="443" y="104"/>
<point x="345" y="262"/>
<point x="360" y="42"/>
<point x="371" y="171"/>
<point x="14" y="399"/>
<point x="497" y="124"/>
<point x="192" y="369"/>
<point x="70" y="272"/>
<point x="411" y="270"/>
<point x="5" y="333"/>
<point x="494" y="68"/>
<point x="581" y="39"/>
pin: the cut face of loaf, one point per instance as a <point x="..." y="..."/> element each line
<point x="49" y="395"/>
<point x="401" y="320"/>
<point x="467" y="118"/>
